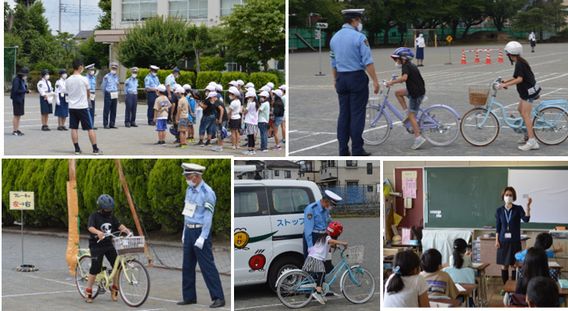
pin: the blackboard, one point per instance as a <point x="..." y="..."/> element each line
<point x="467" y="197"/>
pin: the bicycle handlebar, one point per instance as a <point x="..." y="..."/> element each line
<point x="115" y="235"/>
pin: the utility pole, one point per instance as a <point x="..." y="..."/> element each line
<point x="59" y="16"/>
<point x="79" y="15"/>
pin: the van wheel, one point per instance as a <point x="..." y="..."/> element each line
<point x="280" y="266"/>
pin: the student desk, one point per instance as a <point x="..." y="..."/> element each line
<point x="469" y="288"/>
<point x="511" y="285"/>
<point x="415" y="247"/>
<point x="482" y="282"/>
<point x="453" y="302"/>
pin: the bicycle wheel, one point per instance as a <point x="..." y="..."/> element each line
<point x="134" y="283"/>
<point x="82" y="276"/>
<point x="376" y="130"/>
<point x="551" y="127"/>
<point x="294" y="288"/>
<point x="473" y="133"/>
<point x="357" y="286"/>
<point x="439" y="125"/>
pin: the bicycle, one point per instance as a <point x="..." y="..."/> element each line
<point x="294" y="287"/>
<point x="133" y="279"/>
<point x="438" y="123"/>
<point x="480" y="126"/>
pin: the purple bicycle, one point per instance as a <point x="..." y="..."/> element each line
<point x="438" y="123"/>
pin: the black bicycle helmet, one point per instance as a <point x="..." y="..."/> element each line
<point x="105" y="201"/>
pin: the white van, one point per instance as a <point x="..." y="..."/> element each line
<point x="269" y="225"/>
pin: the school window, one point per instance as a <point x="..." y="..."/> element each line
<point x="369" y="168"/>
<point x="227" y="6"/>
<point x="188" y="9"/>
<point x="290" y="200"/>
<point x="287" y="174"/>
<point x="352" y="184"/>
<point x="369" y="189"/>
<point x="138" y="10"/>
<point x="351" y="163"/>
<point x="276" y="173"/>
<point x="179" y="9"/>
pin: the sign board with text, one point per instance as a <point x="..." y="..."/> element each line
<point x="22" y="200"/>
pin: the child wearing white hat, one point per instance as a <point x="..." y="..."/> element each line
<point x="235" y="109"/>
<point x="191" y="112"/>
<point x="263" y="116"/>
<point x="251" y="120"/>
<point x="181" y="117"/>
<point x="161" y="107"/>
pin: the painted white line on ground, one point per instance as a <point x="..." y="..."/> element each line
<point x="169" y="300"/>
<point x="46" y="279"/>
<point x="312" y="147"/>
<point x="540" y="81"/>
<point x="551" y="92"/>
<point x="43" y="293"/>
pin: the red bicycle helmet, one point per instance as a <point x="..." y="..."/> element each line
<point x="334" y="229"/>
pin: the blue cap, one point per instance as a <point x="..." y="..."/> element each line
<point x="176" y="70"/>
<point x="62" y="71"/>
<point x="44" y="72"/>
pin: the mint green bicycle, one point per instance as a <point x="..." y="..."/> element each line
<point x="133" y="278"/>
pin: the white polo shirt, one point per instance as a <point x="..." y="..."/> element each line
<point x="77" y="87"/>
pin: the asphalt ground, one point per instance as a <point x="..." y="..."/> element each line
<point x="53" y="288"/>
<point x="121" y="141"/>
<point x="356" y="231"/>
<point x="315" y="108"/>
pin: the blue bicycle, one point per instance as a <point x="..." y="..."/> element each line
<point x="438" y="123"/>
<point x="480" y="126"/>
<point x="294" y="287"/>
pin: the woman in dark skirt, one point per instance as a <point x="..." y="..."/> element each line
<point x="18" y="96"/>
<point x="508" y="230"/>
<point x="419" y="45"/>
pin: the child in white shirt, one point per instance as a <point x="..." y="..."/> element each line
<point x="406" y="288"/>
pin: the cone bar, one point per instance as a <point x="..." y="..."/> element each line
<point x="463" y="62"/>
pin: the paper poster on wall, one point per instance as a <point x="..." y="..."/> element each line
<point x="409" y="184"/>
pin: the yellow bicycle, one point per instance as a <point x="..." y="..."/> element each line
<point x="133" y="279"/>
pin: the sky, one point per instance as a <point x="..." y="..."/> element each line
<point x="90" y="13"/>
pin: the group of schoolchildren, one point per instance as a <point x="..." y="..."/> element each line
<point x="415" y="279"/>
<point x="248" y="113"/>
<point x="415" y="90"/>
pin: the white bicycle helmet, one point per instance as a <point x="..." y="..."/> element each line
<point x="514" y="48"/>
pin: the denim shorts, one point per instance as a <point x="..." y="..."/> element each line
<point x="277" y="121"/>
<point x="161" y="125"/>
<point x="414" y="103"/>
<point x="530" y="99"/>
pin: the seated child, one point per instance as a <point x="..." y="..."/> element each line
<point x="536" y="264"/>
<point x="441" y="284"/>
<point x="460" y="258"/>
<point x="542" y="292"/>
<point x="405" y="288"/>
<point x="544" y="241"/>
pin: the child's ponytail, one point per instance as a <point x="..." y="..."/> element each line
<point x="523" y="61"/>
<point x="459" y="247"/>
<point x="405" y="263"/>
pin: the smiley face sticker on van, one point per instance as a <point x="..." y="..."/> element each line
<point x="242" y="238"/>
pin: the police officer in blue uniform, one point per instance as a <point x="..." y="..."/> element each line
<point x="131" y="91"/>
<point x="92" y="82"/>
<point x="316" y="219"/>
<point x="350" y="57"/>
<point x="110" y="90"/>
<point x="151" y="83"/>
<point x="198" y="214"/>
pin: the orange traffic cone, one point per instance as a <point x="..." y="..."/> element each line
<point x="477" y="56"/>
<point x="500" y="56"/>
<point x="488" y="58"/>
<point x="463" y="58"/>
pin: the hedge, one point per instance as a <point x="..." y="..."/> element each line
<point x="204" y="77"/>
<point x="35" y="76"/>
<point x="261" y="78"/>
<point x="233" y="76"/>
<point x="157" y="189"/>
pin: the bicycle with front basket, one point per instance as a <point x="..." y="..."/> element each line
<point x="294" y="287"/>
<point x="133" y="279"/>
<point x="480" y="126"/>
<point x="438" y="123"/>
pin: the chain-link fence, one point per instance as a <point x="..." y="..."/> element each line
<point x="363" y="199"/>
<point x="9" y="64"/>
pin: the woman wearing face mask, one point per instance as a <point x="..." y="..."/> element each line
<point x="61" y="96"/>
<point x="18" y="96"/>
<point x="508" y="230"/>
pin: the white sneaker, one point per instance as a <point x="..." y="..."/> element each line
<point x="528" y="146"/>
<point x="523" y="139"/>
<point x="318" y="297"/>
<point x="418" y="143"/>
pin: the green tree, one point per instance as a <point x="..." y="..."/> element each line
<point x="157" y="41"/>
<point x="8" y="18"/>
<point x="67" y="48"/>
<point x="105" y="18"/>
<point x="93" y="52"/>
<point x="198" y="41"/>
<point x="502" y="10"/>
<point x="542" y="16"/>
<point x="257" y="28"/>
<point x="218" y="37"/>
